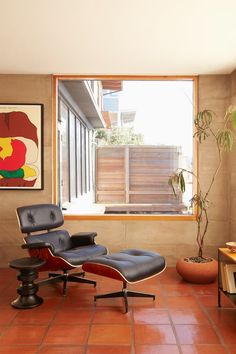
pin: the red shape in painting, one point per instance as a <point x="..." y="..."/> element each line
<point x="15" y="124"/>
<point x="17" y="158"/>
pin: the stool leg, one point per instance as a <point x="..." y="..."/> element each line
<point x="27" y="290"/>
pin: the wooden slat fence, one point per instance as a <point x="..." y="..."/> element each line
<point x="129" y="174"/>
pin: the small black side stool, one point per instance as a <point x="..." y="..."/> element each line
<point x="28" y="268"/>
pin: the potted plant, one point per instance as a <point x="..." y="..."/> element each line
<point x="199" y="268"/>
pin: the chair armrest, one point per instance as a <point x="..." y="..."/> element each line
<point x="37" y="245"/>
<point x="83" y="238"/>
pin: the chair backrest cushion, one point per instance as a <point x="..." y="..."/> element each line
<point x="59" y="240"/>
<point x="39" y="217"/>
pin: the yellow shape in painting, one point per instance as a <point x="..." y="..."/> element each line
<point x="5" y="147"/>
<point x="29" y="171"/>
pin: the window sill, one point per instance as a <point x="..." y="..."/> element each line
<point x="131" y="217"/>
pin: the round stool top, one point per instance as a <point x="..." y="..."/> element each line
<point x="27" y="263"/>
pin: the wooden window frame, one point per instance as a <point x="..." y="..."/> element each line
<point x="166" y="217"/>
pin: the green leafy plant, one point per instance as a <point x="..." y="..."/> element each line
<point x="119" y="136"/>
<point x="224" y="139"/>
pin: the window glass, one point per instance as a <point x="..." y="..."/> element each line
<point x="64" y="160"/>
<point x="150" y="135"/>
<point x="78" y="158"/>
<point x="72" y="147"/>
<point x="83" y="159"/>
<point x="87" y="161"/>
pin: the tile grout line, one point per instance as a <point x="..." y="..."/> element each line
<point x="16" y="310"/>
<point x="49" y="325"/>
<point x="86" y="345"/>
<point x="10" y="325"/>
<point x="212" y="323"/>
<point x="132" y="331"/>
<point x="172" y="324"/>
<point x="195" y="294"/>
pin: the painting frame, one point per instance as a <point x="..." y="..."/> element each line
<point x="21" y="146"/>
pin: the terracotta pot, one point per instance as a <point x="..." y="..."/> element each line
<point x="199" y="273"/>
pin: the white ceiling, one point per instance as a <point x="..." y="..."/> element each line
<point x="143" y="37"/>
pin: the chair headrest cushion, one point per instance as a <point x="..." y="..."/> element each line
<point x="39" y="217"/>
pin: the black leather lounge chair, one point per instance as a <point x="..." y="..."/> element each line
<point x="61" y="251"/>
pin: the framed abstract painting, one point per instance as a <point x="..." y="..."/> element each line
<point x="21" y="146"/>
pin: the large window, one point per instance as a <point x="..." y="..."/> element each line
<point x="118" y="149"/>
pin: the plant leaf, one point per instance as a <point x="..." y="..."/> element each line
<point x="229" y="140"/>
<point x="171" y="183"/>
<point x="182" y="182"/>
<point x="202" y="124"/>
<point x="233" y="118"/>
<point x="225" y="139"/>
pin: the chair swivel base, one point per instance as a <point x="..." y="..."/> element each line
<point x="66" y="277"/>
<point x="124" y="294"/>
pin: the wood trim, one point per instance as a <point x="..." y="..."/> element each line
<point x="196" y="144"/>
<point x="125" y="77"/>
<point x="56" y="79"/>
<point x="133" y="217"/>
<point x="54" y="141"/>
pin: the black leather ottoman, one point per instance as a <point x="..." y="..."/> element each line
<point x="128" y="266"/>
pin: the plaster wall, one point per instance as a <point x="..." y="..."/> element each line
<point x="170" y="238"/>
<point x="25" y="89"/>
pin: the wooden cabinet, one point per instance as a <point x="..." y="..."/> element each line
<point x="225" y="257"/>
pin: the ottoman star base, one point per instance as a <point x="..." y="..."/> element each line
<point x="125" y="294"/>
<point x="129" y="266"/>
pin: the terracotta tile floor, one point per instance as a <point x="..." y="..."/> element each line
<point x="183" y="319"/>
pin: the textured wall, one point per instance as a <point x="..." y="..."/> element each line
<point x="171" y="238"/>
<point x="24" y="89"/>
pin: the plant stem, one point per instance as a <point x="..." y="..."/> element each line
<point x="201" y="243"/>
<point x="215" y="173"/>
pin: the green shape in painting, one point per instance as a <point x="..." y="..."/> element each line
<point x="12" y="174"/>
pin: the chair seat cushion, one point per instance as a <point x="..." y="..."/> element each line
<point x="79" y="255"/>
<point x="129" y="265"/>
<point x="59" y="239"/>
